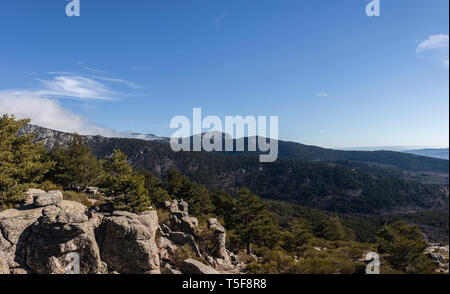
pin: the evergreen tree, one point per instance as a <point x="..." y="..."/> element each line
<point x="197" y="196"/>
<point x="403" y="246"/>
<point x="126" y="186"/>
<point x="174" y="182"/>
<point x="225" y="206"/>
<point x="298" y="237"/>
<point x="22" y="162"/>
<point x="76" y="165"/>
<point x="332" y="229"/>
<point x="254" y="224"/>
<point x="155" y="188"/>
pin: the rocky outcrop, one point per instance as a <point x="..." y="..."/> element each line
<point x="182" y="229"/>
<point x="129" y="245"/>
<point x="179" y="231"/>
<point x="15" y="228"/>
<point x="63" y="234"/>
<point x="440" y="255"/>
<point x="45" y="199"/>
<point x="31" y="194"/>
<point x="180" y="219"/>
<point x="54" y="236"/>
<point x="219" y="239"/>
<point x="195" y="267"/>
<point x="50" y="235"/>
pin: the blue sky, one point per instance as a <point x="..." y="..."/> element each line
<point x="334" y="76"/>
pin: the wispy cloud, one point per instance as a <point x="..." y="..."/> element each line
<point x="437" y="46"/>
<point x="60" y="73"/>
<point x="69" y="85"/>
<point x="119" y="81"/>
<point x="94" y="70"/>
<point x="321" y="94"/>
<point x="74" y="87"/>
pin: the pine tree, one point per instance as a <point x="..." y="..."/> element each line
<point x="174" y="182"/>
<point x="254" y="224"/>
<point x="298" y="237"/>
<point x="126" y="186"/>
<point x="332" y="229"/>
<point x="22" y="163"/>
<point x="76" y="165"/>
<point x="197" y="196"/>
<point x="402" y="246"/>
<point x="155" y="188"/>
<point x="225" y="206"/>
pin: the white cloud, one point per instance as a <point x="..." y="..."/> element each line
<point x="434" y="42"/>
<point x="321" y="94"/>
<point x="41" y="105"/>
<point x="74" y="87"/>
<point x="436" y="46"/>
<point x="119" y="81"/>
<point x="50" y="114"/>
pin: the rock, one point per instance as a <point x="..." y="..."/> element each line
<point x="194" y="267"/>
<point x="49" y="198"/>
<point x="180" y="219"/>
<point x="103" y="268"/>
<point x="92" y="190"/>
<point x="165" y="229"/>
<point x="150" y="220"/>
<point x="166" y="249"/>
<point x="183" y="238"/>
<point x="167" y="269"/>
<point x="436" y="256"/>
<point x="63" y="241"/>
<point x="66" y="219"/>
<point x="20" y="271"/>
<point x="128" y="244"/>
<point x="219" y="240"/>
<point x="106" y="208"/>
<point x="15" y="227"/>
<point x="30" y="194"/>
<point x="4" y="267"/>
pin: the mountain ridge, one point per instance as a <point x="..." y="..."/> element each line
<point x="330" y="186"/>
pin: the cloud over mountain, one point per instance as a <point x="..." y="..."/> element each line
<point x="49" y="113"/>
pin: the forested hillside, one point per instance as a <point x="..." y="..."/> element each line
<point x="328" y="186"/>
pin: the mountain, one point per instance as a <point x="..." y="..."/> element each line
<point x="442" y="153"/>
<point x="148" y="137"/>
<point x="305" y="175"/>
